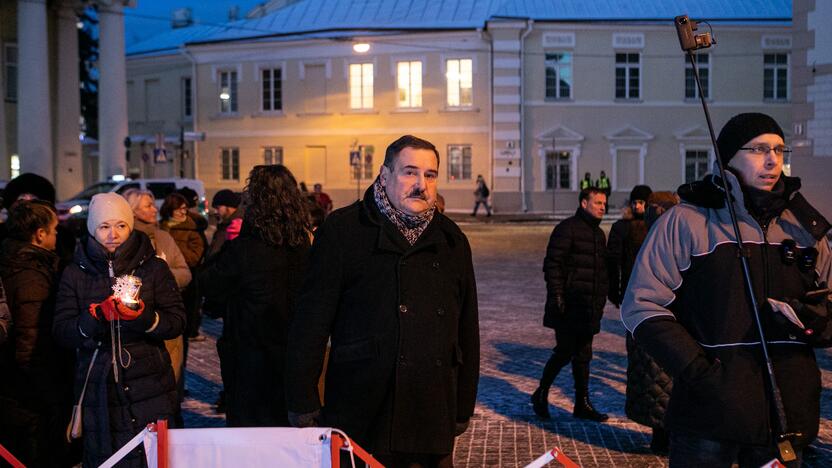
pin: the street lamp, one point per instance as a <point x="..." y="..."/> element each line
<point x="361" y="47"/>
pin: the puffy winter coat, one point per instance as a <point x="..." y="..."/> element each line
<point x="188" y="238"/>
<point x="575" y="270"/>
<point x="687" y="305"/>
<point x="648" y="387"/>
<point x="259" y="282"/>
<point x="115" y="411"/>
<point x="404" y="363"/>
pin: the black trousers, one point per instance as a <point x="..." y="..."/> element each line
<point x="571" y="347"/>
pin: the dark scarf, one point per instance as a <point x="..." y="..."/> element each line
<point x="410" y="226"/>
<point x="765" y="205"/>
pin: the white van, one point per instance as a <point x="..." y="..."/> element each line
<point x="76" y="207"/>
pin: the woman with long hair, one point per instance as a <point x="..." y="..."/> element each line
<point x="258" y="274"/>
<point x="123" y="379"/>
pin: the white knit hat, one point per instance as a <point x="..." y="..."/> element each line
<point x="107" y="206"/>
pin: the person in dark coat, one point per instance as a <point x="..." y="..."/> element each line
<point x="131" y="380"/>
<point x="258" y="275"/>
<point x="391" y="283"/>
<point x="626" y="236"/>
<point x="576" y="285"/>
<point x="226" y="205"/>
<point x="37" y="375"/>
<point x="648" y="385"/>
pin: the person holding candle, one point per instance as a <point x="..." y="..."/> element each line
<point x="123" y="368"/>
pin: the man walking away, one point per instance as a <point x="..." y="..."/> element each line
<point x="481" y="195"/>
<point x="576" y="284"/>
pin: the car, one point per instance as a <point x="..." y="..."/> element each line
<point x="75" y="208"/>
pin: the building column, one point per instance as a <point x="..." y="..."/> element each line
<point x="112" y="89"/>
<point x="34" y="130"/>
<point x="69" y="178"/>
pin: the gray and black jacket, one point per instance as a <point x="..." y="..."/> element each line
<point x="686" y="301"/>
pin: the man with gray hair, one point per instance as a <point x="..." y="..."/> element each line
<point x="391" y="283"/>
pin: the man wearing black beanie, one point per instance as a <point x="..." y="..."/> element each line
<point x="687" y="306"/>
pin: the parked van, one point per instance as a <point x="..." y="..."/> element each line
<point x="76" y="207"/>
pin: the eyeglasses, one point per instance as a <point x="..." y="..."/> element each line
<point x="764" y="149"/>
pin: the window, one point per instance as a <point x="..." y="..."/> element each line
<point x="559" y="75"/>
<point x="627" y="73"/>
<point x="365" y="167"/>
<point x="230" y="164"/>
<point x="10" y="72"/>
<point x="696" y="165"/>
<point x="187" y="99"/>
<point x="459" y="162"/>
<point x="460" y="77"/>
<point x="558" y="170"/>
<point x="228" y="92"/>
<point x="409" y="84"/>
<point x="776" y="76"/>
<point x="703" y="64"/>
<point x="272" y="155"/>
<point x="272" y="82"/>
<point x="361" y="86"/>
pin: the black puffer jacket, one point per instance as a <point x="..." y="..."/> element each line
<point x="575" y="270"/>
<point x="115" y="412"/>
<point x="648" y="387"/>
<point x="259" y="281"/>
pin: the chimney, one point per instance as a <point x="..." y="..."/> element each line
<point x="181" y="18"/>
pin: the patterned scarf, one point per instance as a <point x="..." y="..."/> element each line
<point x="410" y="226"/>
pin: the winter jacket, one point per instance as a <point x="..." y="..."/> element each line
<point x="221" y="235"/>
<point x="576" y="274"/>
<point x="404" y="363"/>
<point x="188" y="238"/>
<point x="114" y="412"/>
<point x="626" y="237"/>
<point x="687" y="306"/>
<point x="5" y="316"/>
<point x="260" y="282"/>
<point x="648" y="387"/>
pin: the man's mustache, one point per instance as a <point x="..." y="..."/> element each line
<point x="418" y="194"/>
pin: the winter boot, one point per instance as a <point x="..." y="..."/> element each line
<point x="540" y="397"/>
<point x="583" y="407"/>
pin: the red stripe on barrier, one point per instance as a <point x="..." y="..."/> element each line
<point x="162" y="443"/>
<point x="10" y="458"/>
<point x="563" y="459"/>
<point x="338" y="445"/>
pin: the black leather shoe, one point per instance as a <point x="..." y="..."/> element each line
<point x="540" y="403"/>
<point x="585" y="410"/>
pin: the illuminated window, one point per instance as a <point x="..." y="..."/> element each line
<point x="228" y="92"/>
<point x="230" y="163"/>
<point x="459" y="162"/>
<point x="460" y="77"/>
<point x="361" y="86"/>
<point x="15" y="165"/>
<point x="410" y="84"/>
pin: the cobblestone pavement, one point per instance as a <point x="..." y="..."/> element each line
<point x="504" y="431"/>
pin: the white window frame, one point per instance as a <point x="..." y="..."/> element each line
<point x="231" y="152"/>
<point x="272" y="151"/>
<point x="234" y="90"/>
<point x="462" y="146"/>
<point x="683" y="150"/>
<point x="573" y="166"/>
<point x="777" y="69"/>
<point x="365" y="87"/>
<point x="410" y="86"/>
<point x="557" y="69"/>
<point x="627" y="76"/>
<point x="458" y="91"/>
<point x="279" y="88"/>
<point x="706" y="85"/>
<point x="9" y="68"/>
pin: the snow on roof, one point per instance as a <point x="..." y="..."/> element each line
<point x="314" y="17"/>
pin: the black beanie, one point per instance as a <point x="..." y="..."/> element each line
<point x="741" y="129"/>
<point x="226" y="197"/>
<point x="640" y="192"/>
<point x="29" y="182"/>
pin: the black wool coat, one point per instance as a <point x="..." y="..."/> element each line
<point x="575" y="269"/>
<point x="115" y="412"/>
<point x="404" y="363"/>
<point x="626" y="237"/>
<point x="259" y="282"/>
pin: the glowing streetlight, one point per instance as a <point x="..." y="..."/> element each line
<point x="361" y="47"/>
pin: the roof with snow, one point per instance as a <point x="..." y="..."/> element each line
<point x="314" y="18"/>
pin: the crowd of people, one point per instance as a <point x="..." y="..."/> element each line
<point x="366" y="318"/>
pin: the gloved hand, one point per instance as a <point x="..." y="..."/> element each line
<point x="812" y="310"/>
<point x="461" y="427"/>
<point x="556" y="304"/>
<point x="304" y="419"/>
<point x="112" y="308"/>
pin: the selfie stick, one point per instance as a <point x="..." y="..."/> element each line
<point x="690" y="42"/>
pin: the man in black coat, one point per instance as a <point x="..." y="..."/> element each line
<point x="391" y="282"/>
<point x="626" y="237"/>
<point x="576" y="284"/>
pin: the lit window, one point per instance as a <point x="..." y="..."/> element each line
<point x="704" y="67"/>
<point x="410" y="84"/>
<point x="272" y="155"/>
<point x="459" y="162"/>
<point x="272" y="89"/>
<point x="776" y="77"/>
<point x="361" y="86"/>
<point x="230" y="163"/>
<point x="627" y="75"/>
<point x="228" y="92"/>
<point x="559" y="75"/>
<point x="460" y="78"/>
